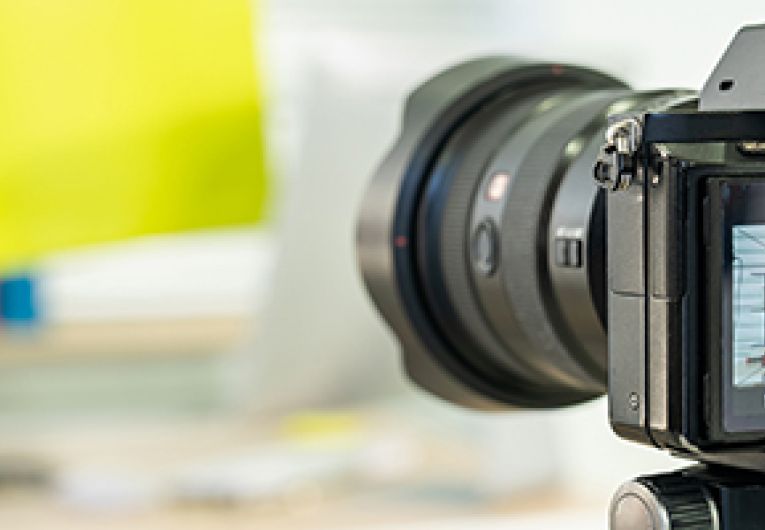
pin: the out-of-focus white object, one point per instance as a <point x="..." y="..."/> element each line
<point x="108" y="491"/>
<point x="264" y="476"/>
<point x="213" y="273"/>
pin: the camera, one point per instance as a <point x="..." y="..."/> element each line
<point x="541" y="234"/>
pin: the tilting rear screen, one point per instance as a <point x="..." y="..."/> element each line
<point x="748" y="285"/>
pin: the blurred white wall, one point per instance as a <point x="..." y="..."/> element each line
<point x="339" y="70"/>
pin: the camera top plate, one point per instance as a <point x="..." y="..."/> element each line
<point x="737" y="83"/>
<point x="692" y="127"/>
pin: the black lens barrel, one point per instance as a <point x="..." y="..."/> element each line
<point x="494" y="233"/>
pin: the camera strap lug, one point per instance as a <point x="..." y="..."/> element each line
<point x="616" y="167"/>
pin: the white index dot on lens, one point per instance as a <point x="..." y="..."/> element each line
<point x="497" y="186"/>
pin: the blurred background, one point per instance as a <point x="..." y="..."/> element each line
<point x="185" y="339"/>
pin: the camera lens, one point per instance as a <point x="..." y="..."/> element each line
<point x="482" y="237"/>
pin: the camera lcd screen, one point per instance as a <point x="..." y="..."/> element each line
<point x="748" y="285"/>
<point x="742" y="327"/>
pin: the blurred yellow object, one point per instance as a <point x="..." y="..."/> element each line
<point x="319" y="425"/>
<point x="124" y="118"/>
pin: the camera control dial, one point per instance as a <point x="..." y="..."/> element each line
<point x="670" y="501"/>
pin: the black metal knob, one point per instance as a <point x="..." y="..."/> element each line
<point x="672" y="501"/>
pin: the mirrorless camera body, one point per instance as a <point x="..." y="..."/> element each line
<point x="685" y="221"/>
<point x="685" y="218"/>
<point x="523" y="261"/>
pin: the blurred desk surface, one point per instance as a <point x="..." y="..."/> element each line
<point x="543" y="511"/>
<point x="127" y="339"/>
<point x="118" y="479"/>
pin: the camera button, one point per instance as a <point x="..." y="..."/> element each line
<point x="574" y="253"/>
<point x="484" y="248"/>
<point x="568" y="252"/>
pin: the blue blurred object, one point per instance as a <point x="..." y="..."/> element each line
<point x="18" y="300"/>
